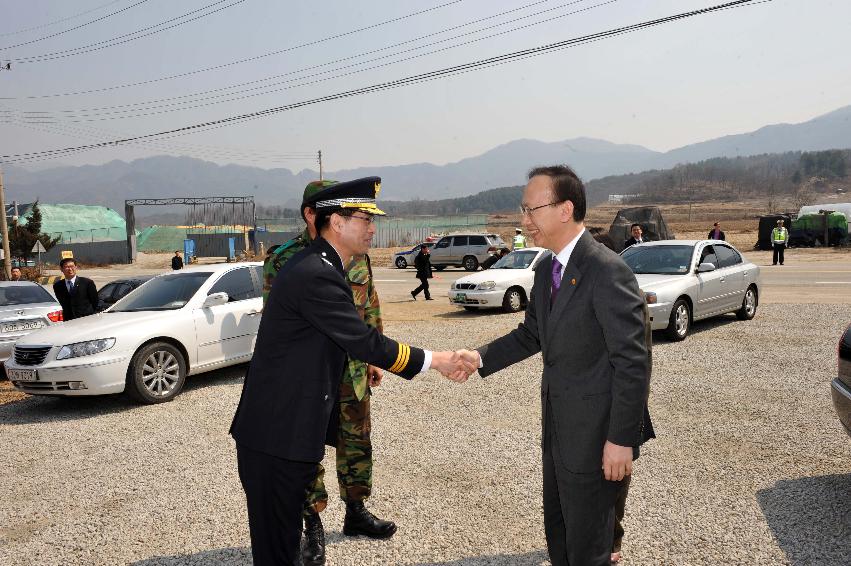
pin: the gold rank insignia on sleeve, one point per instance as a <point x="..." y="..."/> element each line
<point x="401" y="358"/>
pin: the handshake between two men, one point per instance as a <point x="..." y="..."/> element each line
<point x="456" y="366"/>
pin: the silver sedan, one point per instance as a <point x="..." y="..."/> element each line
<point x="24" y="307"/>
<point x="688" y="280"/>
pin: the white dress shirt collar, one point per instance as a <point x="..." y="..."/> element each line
<point x="71" y="282"/>
<point x="564" y="255"/>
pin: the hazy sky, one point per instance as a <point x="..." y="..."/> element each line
<point x="711" y="75"/>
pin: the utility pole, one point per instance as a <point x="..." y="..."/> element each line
<point x="320" y="164"/>
<point x="4" y="228"/>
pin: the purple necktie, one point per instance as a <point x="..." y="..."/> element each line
<point x="556" y="279"/>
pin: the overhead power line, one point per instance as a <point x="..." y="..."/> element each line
<point x="163" y="144"/>
<point x="75" y="27"/>
<point x="63" y="20"/>
<point x="250" y="59"/>
<point x="414" y="79"/>
<point x="188" y="102"/>
<point x="128" y="37"/>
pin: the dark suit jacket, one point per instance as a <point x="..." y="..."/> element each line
<point x="596" y="366"/>
<point x="711" y="235"/>
<point x="288" y="407"/>
<point x="83" y="302"/>
<point x="423" y="264"/>
<point x="631" y="242"/>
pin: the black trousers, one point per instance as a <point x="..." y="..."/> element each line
<point x="579" y="509"/>
<point x="423" y="287"/>
<point x="274" y="491"/>
<point x="778" y="253"/>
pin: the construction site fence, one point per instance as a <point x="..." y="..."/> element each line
<point x="92" y="253"/>
<point x="394" y="231"/>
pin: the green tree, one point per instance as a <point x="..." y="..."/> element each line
<point x="22" y="237"/>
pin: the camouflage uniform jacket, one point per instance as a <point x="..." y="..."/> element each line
<point x="359" y="276"/>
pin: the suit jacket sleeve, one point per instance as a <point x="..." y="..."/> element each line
<point x="619" y="308"/>
<point x="518" y="344"/>
<point x="92" y="294"/>
<point x="327" y="305"/>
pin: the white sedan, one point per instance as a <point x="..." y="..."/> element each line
<point x="177" y="324"/>
<point x="507" y="284"/>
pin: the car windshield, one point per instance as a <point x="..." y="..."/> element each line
<point x="674" y="260"/>
<point x="516" y="260"/>
<point x="168" y="292"/>
<point x="24" y="295"/>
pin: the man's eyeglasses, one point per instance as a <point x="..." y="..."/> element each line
<point x="368" y="219"/>
<point x="526" y="211"/>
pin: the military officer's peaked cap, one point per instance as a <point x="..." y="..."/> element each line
<point x="359" y="194"/>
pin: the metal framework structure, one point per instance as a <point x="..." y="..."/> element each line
<point x="130" y="215"/>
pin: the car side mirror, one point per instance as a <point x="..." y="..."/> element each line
<point x="705" y="267"/>
<point x="215" y="299"/>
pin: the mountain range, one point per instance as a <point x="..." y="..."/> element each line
<point x="167" y="176"/>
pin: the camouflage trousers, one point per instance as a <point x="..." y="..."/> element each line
<point x="354" y="453"/>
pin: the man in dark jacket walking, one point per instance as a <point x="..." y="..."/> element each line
<point x="423" y="264"/>
<point x="176" y="261"/>
<point x="716" y="233"/>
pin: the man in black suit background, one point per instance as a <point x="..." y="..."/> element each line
<point x="636" y="238"/>
<point x="77" y="295"/>
<point x="586" y="316"/>
<point x="423" y="264"/>
<point x="287" y="408"/>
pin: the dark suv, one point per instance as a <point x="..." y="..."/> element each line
<point x="113" y="291"/>
<point x="464" y="250"/>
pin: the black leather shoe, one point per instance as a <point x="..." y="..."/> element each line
<point x="429" y="299"/>
<point x="313" y="553"/>
<point x="359" y="521"/>
<point x="413" y="295"/>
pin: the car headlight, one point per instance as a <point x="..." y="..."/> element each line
<point x="85" y="348"/>
<point x="486" y="286"/>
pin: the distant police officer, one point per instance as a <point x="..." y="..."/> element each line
<point x="779" y="241"/>
<point x="354" y="446"/>
<point x="519" y="239"/>
<point x="289" y="403"/>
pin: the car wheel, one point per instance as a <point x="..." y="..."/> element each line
<point x="471" y="263"/>
<point x="401" y="263"/>
<point x="513" y="300"/>
<point x="156" y="374"/>
<point x="749" y="304"/>
<point x="680" y="321"/>
<point x="439" y="267"/>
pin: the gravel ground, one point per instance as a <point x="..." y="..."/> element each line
<point x="751" y="466"/>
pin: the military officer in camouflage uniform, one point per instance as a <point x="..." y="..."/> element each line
<point x="354" y="448"/>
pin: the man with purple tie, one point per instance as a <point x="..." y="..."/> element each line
<point x="586" y="316"/>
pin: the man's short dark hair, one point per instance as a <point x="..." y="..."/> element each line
<point x="67" y="260"/>
<point x="566" y="186"/>
<point x="716" y="224"/>
<point x="634" y="225"/>
<point x="18" y="267"/>
<point x="324" y="218"/>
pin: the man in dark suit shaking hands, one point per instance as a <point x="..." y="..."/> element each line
<point x="585" y="316"/>
<point x="77" y="295"/>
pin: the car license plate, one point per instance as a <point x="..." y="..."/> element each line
<point x="20" y="326"/>
<point x="21" y="374"/>
<point x="460" y="298"/>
